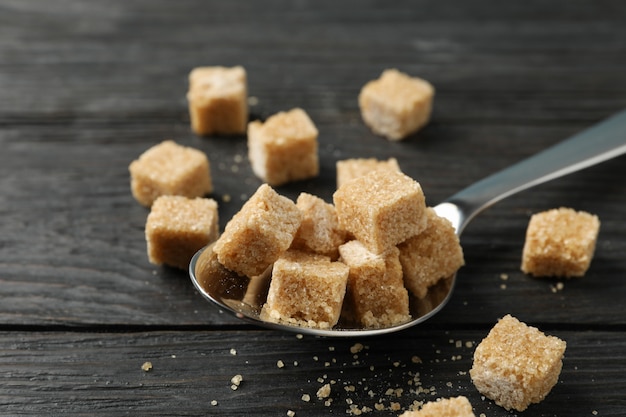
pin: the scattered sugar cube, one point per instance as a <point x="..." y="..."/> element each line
<point x="450" y="407"/>
<point x="434" y="254"/>
<point x="516" y="365"/>
<point x="284" y="148"/>
<point x="375" y="287"/>
<point x="177" y="227"/>
<point x="257" y="235"/>
<point x="306" y="290"/>
<point x="381" y="209"/>
<point x="170" y="169"/>
<point x="217" y="100"/>
<point x="349" y="169"/>
<point x="560" y="243"/>
<point x="396" y="105"/>
<point x="319" y="231"/>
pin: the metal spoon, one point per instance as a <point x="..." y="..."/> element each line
<point x="244" y="296"/>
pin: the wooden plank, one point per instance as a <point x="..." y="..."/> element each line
<point x="60" y="373"/>
<point x="73" y="247"/>
<point x="521" y="64"/>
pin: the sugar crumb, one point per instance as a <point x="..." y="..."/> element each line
<point x="147" y="366"/>
<point x="356" y="348"/>
<point x="557" y="287"/>
<point x="214" y="403"/>
<point x="233" y="352"/>
<point x="324" y="391"/>
<point x="236" y="381"/>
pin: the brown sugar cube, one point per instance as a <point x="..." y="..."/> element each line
<point x="259" y="233"/>
<point x="449" y="407"/>
<point x="306" y="290"/>
<point x="396" y="105"/>
<point x="434" y="254"/>
<point x="170" y="169"/>
<point x="349" y="169"/>
<point x="284" y="148"/>
<point x="375" y="288"/>
<point x="517" y="365"/>
<point x="218" y="100"/>
<point x="177" y="227"/>
<point x="560" y="243"/>
<point x="381" y="209"/>
<point x="319" y="231"/>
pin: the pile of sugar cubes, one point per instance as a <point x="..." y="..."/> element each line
<point x="363" y="253"/>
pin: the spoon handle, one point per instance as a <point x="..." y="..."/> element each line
<point x="596" y="144"/>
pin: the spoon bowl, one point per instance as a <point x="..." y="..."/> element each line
<point x="244" y="296"/>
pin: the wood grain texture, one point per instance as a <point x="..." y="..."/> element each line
<point x="85" y="88"/>
<point x="65" y="374"/>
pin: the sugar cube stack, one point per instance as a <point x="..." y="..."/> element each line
<point x="349" y="169"/>
<point x="376" y="289"/>
<point x="177" y="227"/>
<point x="434" y="254"/>
<point x="319" y="230"/>
<point x="259" y="233"/>
<point x="306" y="289"/>
<point x="381" y="209"/>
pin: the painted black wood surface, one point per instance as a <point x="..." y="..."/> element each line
<point x="85" y="87"/>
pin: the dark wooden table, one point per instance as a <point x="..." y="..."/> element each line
<point x="85" y="87"/>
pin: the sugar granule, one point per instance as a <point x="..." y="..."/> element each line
<point x="324" y="391"/>
<point x="236" y="381"/>
<point x="356" y="348"/>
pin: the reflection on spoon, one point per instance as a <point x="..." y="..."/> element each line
<point x="244" y="296"/>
